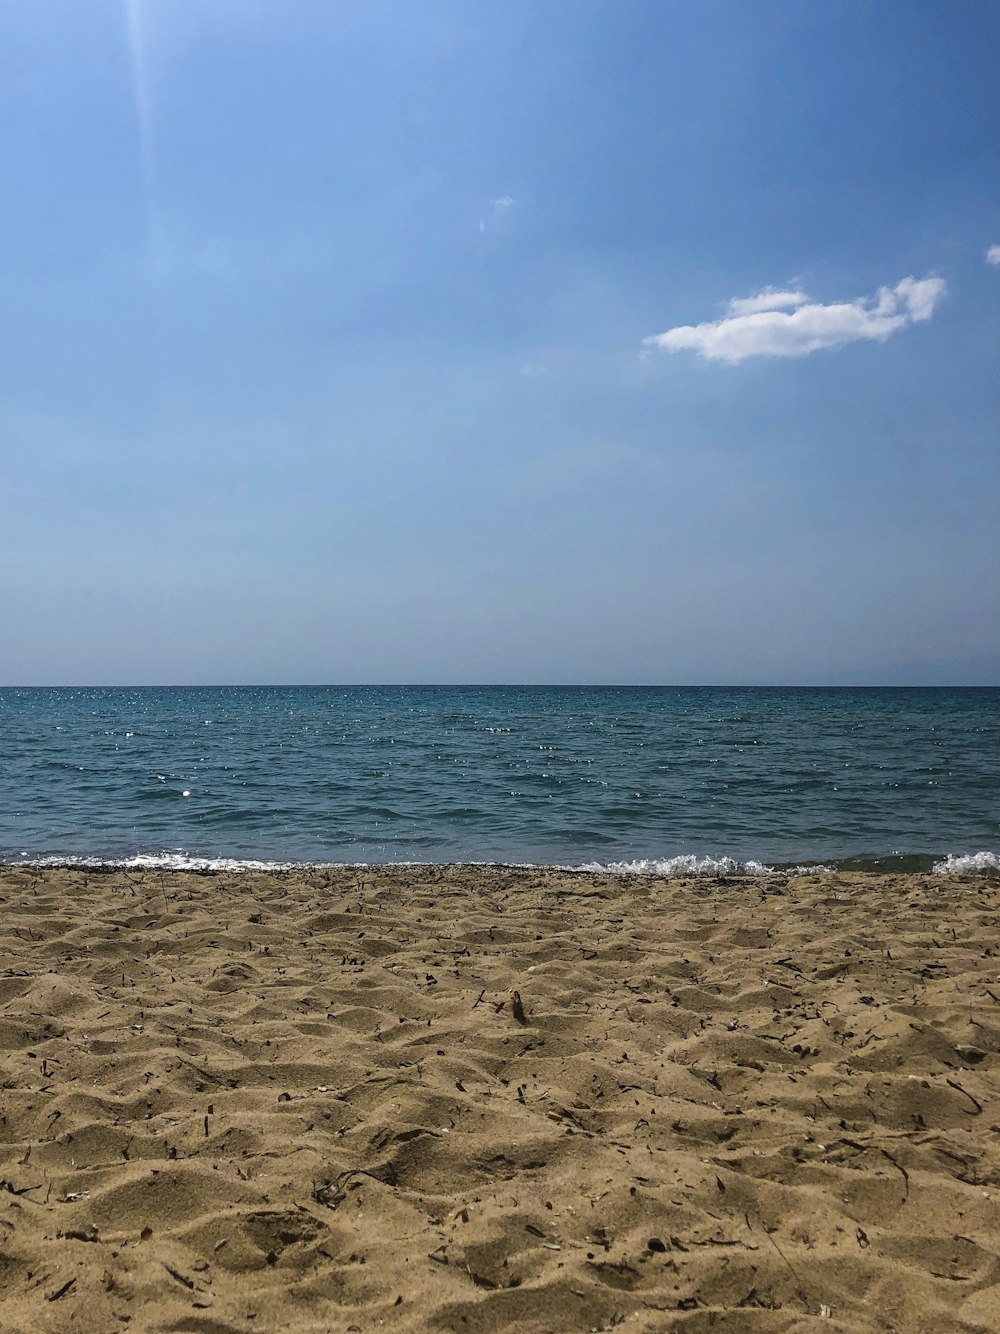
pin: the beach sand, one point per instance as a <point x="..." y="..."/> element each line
<point x="309" y="1101"/>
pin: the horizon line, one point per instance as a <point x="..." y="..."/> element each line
<point x="500" y="685"/>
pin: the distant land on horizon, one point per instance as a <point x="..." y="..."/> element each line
<point x="968" y="672"/>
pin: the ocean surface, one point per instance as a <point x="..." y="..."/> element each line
<point x="651" y="778"/>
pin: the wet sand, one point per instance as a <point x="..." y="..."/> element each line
<point x="472" y="1099"/>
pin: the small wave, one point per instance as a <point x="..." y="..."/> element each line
<point x="182" y="861"/>
<point x="967" y="862"/>
<point x="161" y="861"/>
<point x="689" y="864"/>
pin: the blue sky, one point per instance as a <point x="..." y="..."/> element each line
<point x="403" y="341"/>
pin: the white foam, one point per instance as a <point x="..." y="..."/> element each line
<point x="161" y="861"/>
<point x="689" y="864"/>
<point x="182" y="861"/>
<point x="967" y="862"/>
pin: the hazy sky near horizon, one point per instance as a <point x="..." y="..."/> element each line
<point x="445" y="340"/>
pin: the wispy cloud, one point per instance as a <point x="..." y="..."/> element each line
<point x="785" y="323"/>
<point x="498" y="207"/>
<point x="993" y="255"/>
<point x="770" y="298"/>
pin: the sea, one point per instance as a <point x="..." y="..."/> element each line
<point x="657" y="779"/>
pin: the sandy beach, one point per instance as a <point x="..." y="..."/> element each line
<point x="473" y="1099"/>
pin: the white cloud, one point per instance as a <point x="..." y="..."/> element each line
<point x="504" y="202"/>
<point x="787" y="324"/>
<point x="993" y="255"/>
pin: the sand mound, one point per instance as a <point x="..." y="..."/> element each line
<point x="481" y="1099"/>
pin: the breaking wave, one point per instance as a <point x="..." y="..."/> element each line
<point x="967" y="862"/>
<point x="688" y="864"/>
<point x="160" y="861"/>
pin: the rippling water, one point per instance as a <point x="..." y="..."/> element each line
<point x="514" y="774"/>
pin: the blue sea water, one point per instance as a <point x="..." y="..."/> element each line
<point x="569" y="776"/>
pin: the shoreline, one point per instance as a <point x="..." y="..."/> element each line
<point x="678" y="866"/>
<point x="308" y="1100"/>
